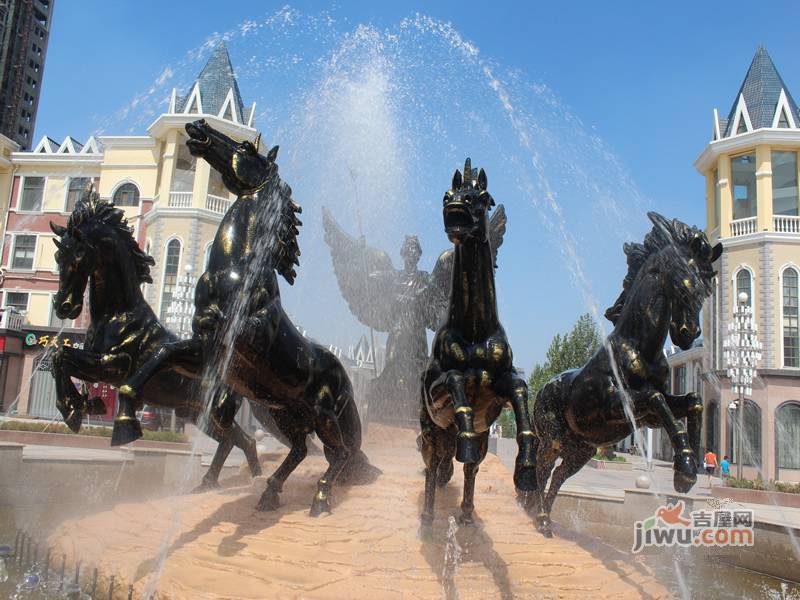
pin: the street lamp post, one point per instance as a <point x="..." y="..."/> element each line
<point x="742" y="352"/>
<point x="180" y="313"/>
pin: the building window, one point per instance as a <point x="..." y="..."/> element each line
<point x="698" y="382"/>
<point x="714" y="346"/>
<point x="791" y="332"/>
<point x="784" y="183"/>
<point x="680" y="380"/>
<point x="744" y="283"/>
<point x="751" y="441"/>
<point x="171" y="262"/>
<point x="127" y="195"/>
<point x="207" y="257"/>
<point x="77" y="185"/>
<point x="18" y="301"/>
<point x="716" y="198"/>
<point x="743" y="172"/>
<point x="24" y="251"/>
<point x="711" y="417"/>
<point x="32" y="194"/>
<point x="55" y="321"/>
<point x="787" y="435"/>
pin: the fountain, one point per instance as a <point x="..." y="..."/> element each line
<point x="369" y="120"/>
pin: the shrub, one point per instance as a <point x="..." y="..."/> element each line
<point x="760" y="485"/>
<point x="608" y="454"/>
<point x="46" y="427"/>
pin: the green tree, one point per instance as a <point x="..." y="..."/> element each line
<point x="567" y="351"/>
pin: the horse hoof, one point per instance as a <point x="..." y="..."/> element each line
<point x="684" y="482"/>
<point x="73" y="420"/>
<point x="270" y="500"/>
<point x="206" y="485"/>
<point x="320" y="505"/>
<point x="466" y="518"/>
<point x="125" y="431"/>
<point x="525" y="479"/>
<point x="544" y="526"/>
<point x="468" y="449"/>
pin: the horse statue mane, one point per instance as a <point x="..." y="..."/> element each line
<point x="93" y="209"/>
<point x="664" y="234"/>
<point x="288" y="251"/>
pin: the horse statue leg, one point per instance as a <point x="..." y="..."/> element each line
<point x="470" y="471"/>
<point x="684" y="463"/>
<point x="126" y="426"/>
<point x="512" y="388"/>
<point x="574" y="456"/>
<point x="438" y="448"/>
<point x="292" y="428"/>
<point x="468" y="446"/>
<point x="88" y="366"/>
<point x="689" y="406"/>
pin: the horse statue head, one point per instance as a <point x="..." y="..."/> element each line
<point x="681" y="259"/>
<point x="467" y="205"/>
<point x="96" y="235"/>
<point x="243" y="169"/>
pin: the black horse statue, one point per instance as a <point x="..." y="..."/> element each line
<point x="470" y="376"/>
<point x="669" y="277"/>
<point x="97" y="248"/>
<point x="242" y="332"/>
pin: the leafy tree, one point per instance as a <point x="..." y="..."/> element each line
<point x="566" y="351"/>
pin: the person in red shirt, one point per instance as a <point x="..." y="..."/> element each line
<point x="710" y="463"/>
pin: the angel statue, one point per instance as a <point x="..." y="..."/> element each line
<point x="402" y="302"/>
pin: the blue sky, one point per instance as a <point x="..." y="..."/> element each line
<point x="642" y="79"/>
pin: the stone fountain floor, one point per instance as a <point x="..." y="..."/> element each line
<point x="218" y="546"/>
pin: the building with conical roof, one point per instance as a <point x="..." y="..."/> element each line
<point x="173" y="202"/>
<point x="750" y="167"/>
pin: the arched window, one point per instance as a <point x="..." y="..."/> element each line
<point x="127" y="195"/>
<point x="751" y="441"/>
<point x="787" y="435"/>
<point x="791" y="329"/>
<point x="711" y="416"/>
<point x="172" y="258"/>
<point x="744" y="283"/>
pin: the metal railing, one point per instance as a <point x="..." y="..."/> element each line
<point x="786" y="223"/>
<point x="744" y="226"/>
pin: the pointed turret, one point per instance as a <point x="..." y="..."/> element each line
<point x="763" y="100"/>
<point x="215" y="91"/>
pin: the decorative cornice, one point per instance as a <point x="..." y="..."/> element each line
<point x="714" y="150"/>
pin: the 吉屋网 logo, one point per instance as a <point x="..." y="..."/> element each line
<point x="702" y="528"/>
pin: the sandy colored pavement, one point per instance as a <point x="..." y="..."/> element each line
<point x="218" y="546"/>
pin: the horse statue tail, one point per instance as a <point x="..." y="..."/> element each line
<point x="359" y="471"/>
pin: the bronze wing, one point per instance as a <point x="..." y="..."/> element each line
<point x="365" y="275"/>
<point x="438" y="291"/>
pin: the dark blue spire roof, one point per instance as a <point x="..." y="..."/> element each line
<point x="761" y="89"/>
<point x="215" y="80"/>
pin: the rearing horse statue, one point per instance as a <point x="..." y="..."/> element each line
<point x="97" y="249"/>
<point x="471" y="375"/>
<point x="669" y="277"/>
<point x="242" y="331"/>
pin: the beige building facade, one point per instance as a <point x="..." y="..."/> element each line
<point x="751" y="169"/>
<point x="173" y="202"/>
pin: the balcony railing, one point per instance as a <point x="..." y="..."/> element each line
<point x="744" y="226"/>
<point x="180" y="199"/>
<point x="786" y="223"/>
<point x="217" y="204"/>
<point x="11" y="319"/>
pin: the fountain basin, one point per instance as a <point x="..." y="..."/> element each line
<point x="218" y="545"/>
